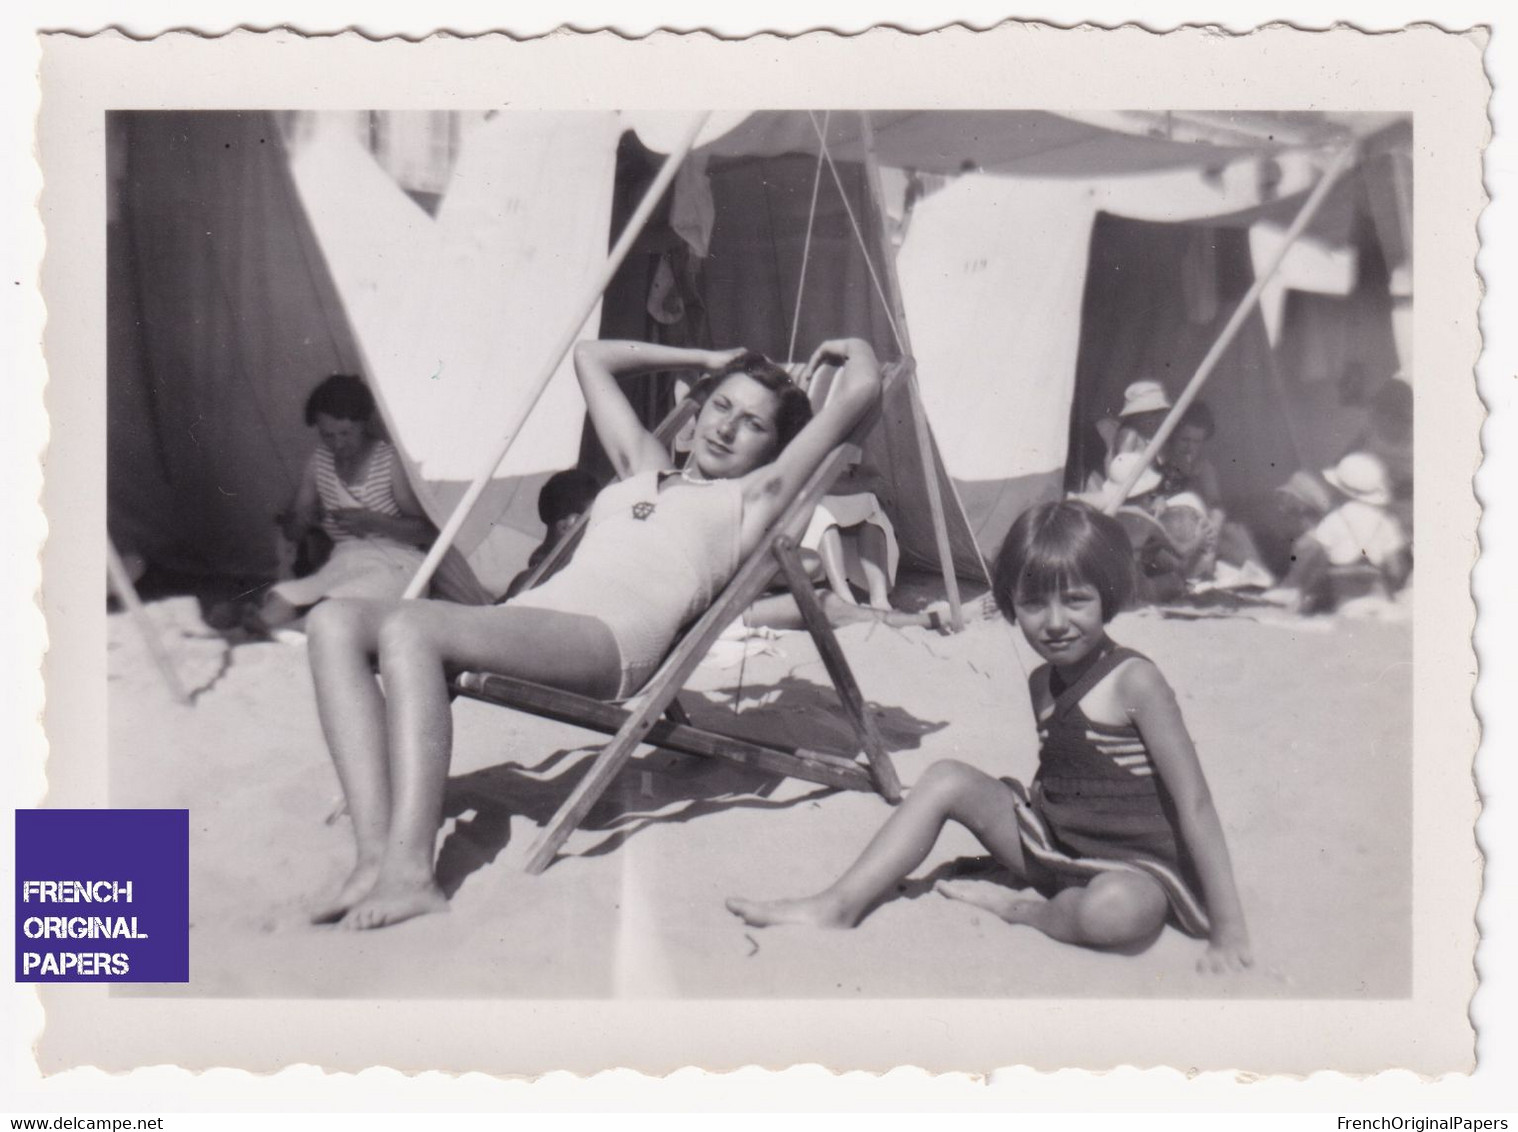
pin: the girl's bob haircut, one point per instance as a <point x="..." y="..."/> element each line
<point x="1055" y="545"/>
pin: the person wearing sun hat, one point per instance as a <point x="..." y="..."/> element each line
<point x="1144" y="397"/>
<point x="1161" y="566"/>
<point x="1360" y="532"/>
<point x="1145" y="405"/>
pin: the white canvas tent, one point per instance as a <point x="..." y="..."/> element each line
<point x="448" y="314"/>
<point x="450" y="311"/>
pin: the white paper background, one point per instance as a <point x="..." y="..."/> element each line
<point x="1491" y="1089"/>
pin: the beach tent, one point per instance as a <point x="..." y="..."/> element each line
<point x="1036" y="298"/>
<point x="1052" y="260"/>
<point x="439" y="254"/>
<point x="252" y="254"/>
<point x="218" y="326"/>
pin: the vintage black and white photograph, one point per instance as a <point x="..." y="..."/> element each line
<point x="838" y="553"/>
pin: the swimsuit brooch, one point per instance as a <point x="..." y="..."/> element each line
<point x="642" y="510"/>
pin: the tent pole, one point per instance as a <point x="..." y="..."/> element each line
<point x="919" y="417"/>
<point x="1247" y="304"/>
<point x="126" y="593"/>
<point x="582" y="312"/>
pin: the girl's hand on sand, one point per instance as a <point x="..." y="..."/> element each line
<point x="1227" y="953"/>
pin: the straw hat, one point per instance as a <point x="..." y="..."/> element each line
<point x="1144" y="397"/>
<point x="1361" y="476"/>
<point x="1122" y="467"/>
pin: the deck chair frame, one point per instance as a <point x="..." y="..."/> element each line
<point x="654" y="715"/>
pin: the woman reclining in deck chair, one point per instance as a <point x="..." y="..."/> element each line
<point x="660" y="547"/>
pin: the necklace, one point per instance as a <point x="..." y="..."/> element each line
<point x="687" y="474"/>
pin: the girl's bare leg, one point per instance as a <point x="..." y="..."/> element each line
<point x="874" y="554"/>
<point x="948" y="790"/>
<point x="416" y="641"/>
<point x="1114" y="910"/>
<point x="344" y="637"/>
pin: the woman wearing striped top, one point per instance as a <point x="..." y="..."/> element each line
<point x="356" y="491"/>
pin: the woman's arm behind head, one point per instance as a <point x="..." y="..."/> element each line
<point x="598" y="364"/>
<point x="856" y="389"/>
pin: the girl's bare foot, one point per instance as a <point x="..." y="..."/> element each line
<point x="811" y="910"/>
<point x="354" y="889"/>
<point x="392" y="901"/>
<point x="995" y="898"/>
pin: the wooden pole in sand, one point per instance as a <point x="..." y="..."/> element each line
<point x="582" y="312"/>
<point x="919" y="416"/>
<point x="1247" y="304"/>
<point x="126" y="593"/>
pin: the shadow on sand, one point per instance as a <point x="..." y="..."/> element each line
<point x="660" y="787"/>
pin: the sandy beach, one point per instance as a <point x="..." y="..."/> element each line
<point x="1304" y="727"/>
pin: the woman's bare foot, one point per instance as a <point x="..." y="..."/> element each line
<point x="995" y="898"/>
<point x="354" y="889"/>
<point x="811" y="910"/>
<point x="392" y="901"/>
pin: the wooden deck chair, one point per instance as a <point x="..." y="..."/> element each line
<point x="653" y="715"/>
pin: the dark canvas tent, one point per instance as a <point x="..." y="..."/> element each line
<point x="220" y="321"/>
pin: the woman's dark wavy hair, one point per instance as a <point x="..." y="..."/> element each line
<point x="795" y="409"/>
<point x="344" y="396"/>
<point x="1053" y="545"/>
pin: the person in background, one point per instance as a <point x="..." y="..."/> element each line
<point x="1183" y="463"/>
<point x="354" y="490"/>
<point x="1190" y="480"/>
<point x="849" y="525"/>
<point x="1359" y="540"/>
<point x="1145" y="406"/>
<point x="564" y="497"/>
<point x="1388" y="437"/>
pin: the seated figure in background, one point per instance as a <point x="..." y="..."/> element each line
<point x="355" y="491"/>
<point x="1189" y="478"/>
<point x="563" y="498"/>
<point x="1145" y="406"/>
<point x="848" y="527"/>
<point x="1357" y="549"/>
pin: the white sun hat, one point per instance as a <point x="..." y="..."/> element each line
<point x="1361" y="476"/>
<point x="1144" y="397"/>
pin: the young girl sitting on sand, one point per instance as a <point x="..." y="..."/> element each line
<point x="1120" y="828"/>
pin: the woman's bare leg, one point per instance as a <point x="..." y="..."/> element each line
<point x="344" y="637"/>
<point x="416" y="641"/>
<point x="948" y="790"/>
